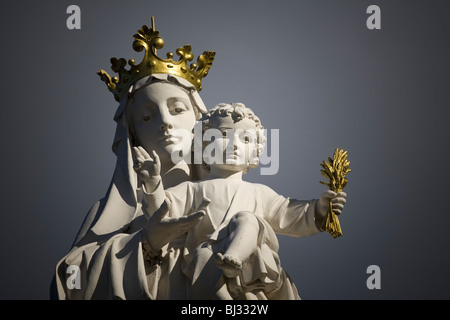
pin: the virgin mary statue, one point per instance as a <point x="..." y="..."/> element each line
<point x="107" y="251"/>
<point x="110" y="257"/>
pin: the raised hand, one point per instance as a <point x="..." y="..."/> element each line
<point x="147" y="167"/>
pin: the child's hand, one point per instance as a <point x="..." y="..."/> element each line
<point x="147" y="167"/>
<point x="337" y="202"/>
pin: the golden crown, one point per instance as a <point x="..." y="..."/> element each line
<point x="149" y="40"/>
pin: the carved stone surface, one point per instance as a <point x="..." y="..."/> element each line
<point x="161" y="234"/>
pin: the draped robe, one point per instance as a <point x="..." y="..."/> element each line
<point x="262" y="276"/>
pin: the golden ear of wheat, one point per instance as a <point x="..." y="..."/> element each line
<point x="335" y="171"/>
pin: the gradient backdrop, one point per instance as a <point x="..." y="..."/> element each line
<point x="311" y="69"/>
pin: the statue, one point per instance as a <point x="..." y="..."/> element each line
<point x="136" y="244"/>
<point x="232" y="252"/>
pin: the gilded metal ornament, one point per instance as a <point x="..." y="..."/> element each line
<point x="148" y="39"/>
<point x="335" y="171"/>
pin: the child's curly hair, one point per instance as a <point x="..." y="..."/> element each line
<point x="237" y="111"/>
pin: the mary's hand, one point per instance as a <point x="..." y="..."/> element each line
<point x="147" y="167"/>
<point x="161" y="230"/>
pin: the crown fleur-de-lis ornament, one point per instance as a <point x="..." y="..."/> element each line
<point x="148" y="39"/>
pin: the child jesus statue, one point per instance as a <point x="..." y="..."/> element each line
<point x="232" y="252"/>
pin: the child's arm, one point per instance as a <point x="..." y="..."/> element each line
<point x="298" y="218"/>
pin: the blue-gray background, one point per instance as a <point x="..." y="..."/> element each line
<point x="308" y="68"/>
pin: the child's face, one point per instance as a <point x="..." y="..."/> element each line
<point x="238" y="143"/>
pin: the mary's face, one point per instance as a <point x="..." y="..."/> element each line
<point x="160" y="110"/>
